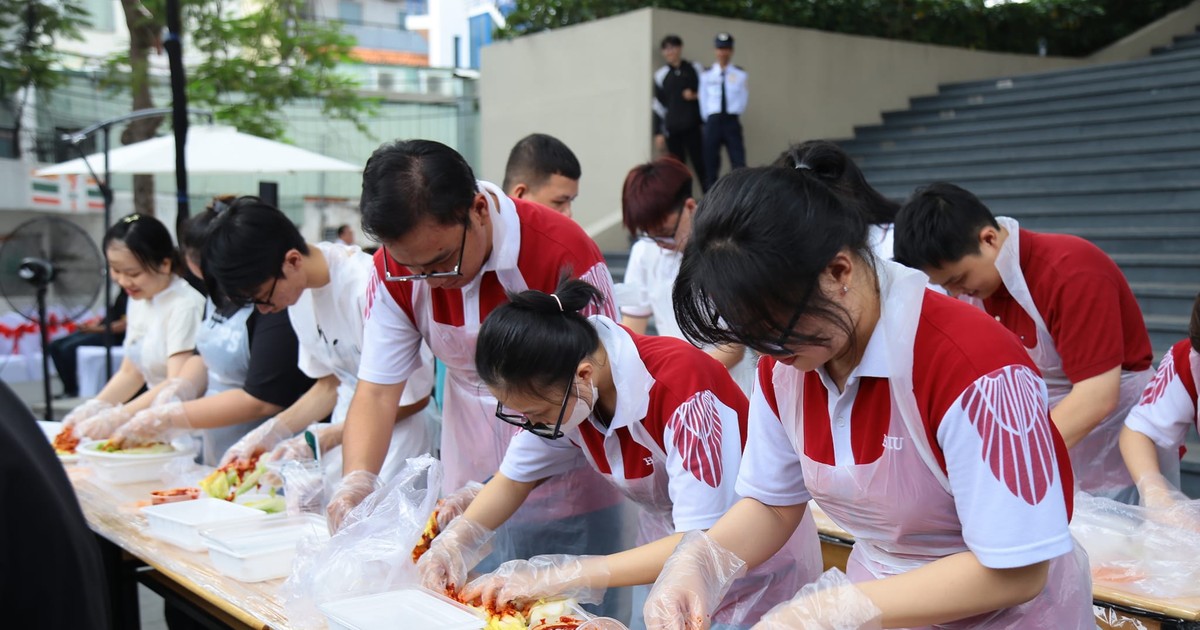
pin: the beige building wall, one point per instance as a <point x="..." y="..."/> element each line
<point x="590" y="85"/>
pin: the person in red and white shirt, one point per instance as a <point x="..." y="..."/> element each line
<point x="658" y="418"/>
<point x="917" y="423"/>
<point x="1067" y="301"/>
<point x="1161" y="420"/>
<point x="452" y="249"/>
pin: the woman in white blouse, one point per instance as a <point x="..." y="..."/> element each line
<point x="164" y="315"/>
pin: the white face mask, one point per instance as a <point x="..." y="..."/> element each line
<point x="580" y="411"/>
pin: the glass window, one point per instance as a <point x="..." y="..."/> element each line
<point x="349" y="12"/>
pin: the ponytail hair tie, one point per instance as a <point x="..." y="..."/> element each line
<point x="803" y="166"/>
<point x="560" y="306"/>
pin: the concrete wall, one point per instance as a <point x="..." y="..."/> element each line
<point x="590" y="85"/>
<point x="1159" y="33"/>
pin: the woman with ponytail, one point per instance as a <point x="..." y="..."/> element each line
<point x="656" y="416"/>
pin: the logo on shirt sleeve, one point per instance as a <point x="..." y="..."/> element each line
<point x="1008" y="410"/>
<point x="1162" y="378"/>
<point x="697" y="436"/>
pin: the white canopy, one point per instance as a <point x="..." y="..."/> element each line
<point x="211" y="149"/>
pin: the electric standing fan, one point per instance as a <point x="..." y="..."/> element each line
<point x="50" y="265"/>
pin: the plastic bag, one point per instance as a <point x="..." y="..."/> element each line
<point x="303" y="487"/>
<point x="372" y="553"/>
<point x="183" y="472"/>
<point x="1137" y="550"/>
<point x="1109" y="618"/>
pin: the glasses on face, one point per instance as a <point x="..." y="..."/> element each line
<point x="779" y="348"/>
<point x="270" y="294"/>
<point x="668" y="242"/>
<point x="539" y="429"/>
<point x="453" y="273"/>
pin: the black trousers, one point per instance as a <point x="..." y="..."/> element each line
<point x="62" y="352"/>
<point x="691" y="143"/>
<point x="722" y="129"/>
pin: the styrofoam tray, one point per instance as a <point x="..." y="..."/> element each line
<point x="420" y="609"/>
<point x="263" y="549"/>
<point x="180" y="523"/>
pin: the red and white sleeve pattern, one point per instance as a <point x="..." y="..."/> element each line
<point x="1167" y="409"/>
<point x="704" y="451"/>
<point x="771" y="472"/>
<point x="391" y="342"/>
<point x="1004" y="470"/>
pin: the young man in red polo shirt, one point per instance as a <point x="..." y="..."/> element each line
<point x="1066" y="300"/>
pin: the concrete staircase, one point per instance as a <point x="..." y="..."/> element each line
<point x="1110" y="153"/>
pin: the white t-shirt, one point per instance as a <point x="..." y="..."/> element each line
<point x="959" y="357"/>
<point x="1168" y="407"/>
<point x="328" y="321"/>
<point x="162" y="326"/>
<point x="676" y="435"/>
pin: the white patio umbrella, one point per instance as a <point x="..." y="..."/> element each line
<point x="211" y="149"/>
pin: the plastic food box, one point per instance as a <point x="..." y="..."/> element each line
<point x="263" y="549"/>
<point x="120" y="468"/>
<point x="180" y="523"/>
<point x="420" y="609"/>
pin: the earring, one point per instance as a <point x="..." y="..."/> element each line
<point x="845" y="289"/>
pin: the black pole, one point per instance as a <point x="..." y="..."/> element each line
<point x="179" y="112"/>
<point x="106" y="192"/>
<point x="41" y="301"/>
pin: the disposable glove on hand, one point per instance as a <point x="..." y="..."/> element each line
<point x="175" y="390"/>
<point x="85" y="411"/>
<point x="456" y="503"/>
<point x="153" y="425"/>
<point x="692" y="583"/>
<point x="102" y="424"/>
<point x="453" y="553"/>
<point x="263" y="438"/>
<point x="583" y="578"/>
<point x="355" y="487"/>
<point x="830" y="603"/>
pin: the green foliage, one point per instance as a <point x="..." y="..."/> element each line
<point x="1070" y="27"/>
<point x="257" y="62"/>
<point x="29" y="32"/>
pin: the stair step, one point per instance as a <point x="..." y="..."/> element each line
<point x="1130" y="147"/>
<point x="1165" y="330"/>
<point x="1067" y="76"/>
<point x="1112" y="182"/>
<point x="1109" y="163"/>
<point x="1135" y="240"/>
<point x="1164" y="298"/>
<point x="1159" y="268"/>
<point x="1150" y="78"/>
<point x="1123" y="116"/>
<point x="1089" y="102"/>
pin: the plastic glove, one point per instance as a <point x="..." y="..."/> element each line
<point x="355" y="487"/>
<point x="263" y="438"/>
<point x="102" y="425"/>
<point x="830" y="603"/>
<point x="692" y="584"/>
<point x="85" y="411"/>
<point x="297" y="449"/>
<point x="175" y="390"/>
<point x="152" y="425"/>
<point x="453" y="553"/>
<point x="456" y="503"/>
<point x="583" y="578"/>
<point x="1166" y="505"/>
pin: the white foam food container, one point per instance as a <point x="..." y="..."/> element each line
<point x="262" y="549"/>
<point x="123" y="468"/>
<point x="420" y="609"/>
<point x="180" y="523"/>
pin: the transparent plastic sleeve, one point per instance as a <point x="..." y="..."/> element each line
<point x="830" y="603"/>
<point x="371" y="553"/>
<point x="456" y="503"/>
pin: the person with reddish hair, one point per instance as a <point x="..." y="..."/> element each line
<point x="657" y="207"/>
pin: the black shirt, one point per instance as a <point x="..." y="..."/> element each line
<point x="669" y="86"/>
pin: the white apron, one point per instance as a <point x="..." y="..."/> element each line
<point x="1096" y="460"/>
<point x="751" y="596"/>
<point x="899" y="508"/>
<point x="224" y="344"/>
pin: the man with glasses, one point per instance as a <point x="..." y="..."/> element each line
<point x="657" y="207"/>
<point x="452" y="247"/>
<point x="255" y="255"/>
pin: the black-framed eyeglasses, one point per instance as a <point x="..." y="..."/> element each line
<point x="668" y="242"/>
<point x="539" y="429"/>
<point x="779" y="348"/>
<point x="454" y="273"/>
<point x="270" y="295"/>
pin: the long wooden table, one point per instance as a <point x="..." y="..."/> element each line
<point x="113" y="513"/>
<point x="1115" y="608"/>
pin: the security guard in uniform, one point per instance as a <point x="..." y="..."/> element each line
<point x="723" y="96"/>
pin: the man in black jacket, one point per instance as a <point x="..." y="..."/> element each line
<point x="676" y="106"/>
